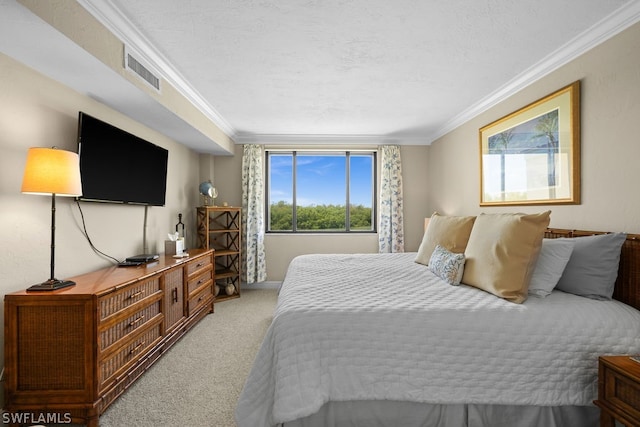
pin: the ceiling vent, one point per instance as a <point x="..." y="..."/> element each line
<point x="136" y="65"/>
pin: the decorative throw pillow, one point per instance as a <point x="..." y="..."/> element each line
<point x="447" y="265"/>
<point x="502" y="252"/>
<point x="450" y="232"/>
<point x="592" y="269"/>
<point x="553" y="258"/>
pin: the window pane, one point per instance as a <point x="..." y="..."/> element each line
<point x="281" y="192"/>
<point x="321" y="192"/>
<point x="310" y="191"/>
<point x="361" y="192"/>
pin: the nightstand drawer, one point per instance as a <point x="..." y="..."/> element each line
<point x="622" y="392"/>
<point x="619" y="390"/>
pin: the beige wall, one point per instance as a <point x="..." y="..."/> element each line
<point x="282" y="248"/>
<point x="610" y="78"/>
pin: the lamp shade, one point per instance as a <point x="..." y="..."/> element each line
<point x="52" y="171"/>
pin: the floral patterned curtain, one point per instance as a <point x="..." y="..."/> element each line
<point x="391" y="233"/>
<point x="254" y="267"/>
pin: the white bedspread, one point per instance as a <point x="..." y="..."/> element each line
<point x="381" y="327"/>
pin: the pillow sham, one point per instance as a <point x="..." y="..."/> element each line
<point x="552" y="260"/>
<point x="447" y="265"/>
<point x="592" y="269"/>
<point x="450" y="232"/>
<point x="502" y="252"/>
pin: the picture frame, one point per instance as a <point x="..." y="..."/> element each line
<point x="532" y="156"/>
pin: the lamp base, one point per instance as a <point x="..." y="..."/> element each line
<point x="51" y="285"/>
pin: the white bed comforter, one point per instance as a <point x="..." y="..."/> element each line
<point x="381" y="327"/>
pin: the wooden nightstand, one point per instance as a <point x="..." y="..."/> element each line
<point x="618" y="391"/>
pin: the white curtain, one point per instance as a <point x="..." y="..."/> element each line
<point x="254" y="266"/>
<point x="391" y="233"/>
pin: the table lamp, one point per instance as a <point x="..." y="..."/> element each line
<point x="55" y="172"/>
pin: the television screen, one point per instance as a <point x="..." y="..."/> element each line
<point x="118" y="167"/>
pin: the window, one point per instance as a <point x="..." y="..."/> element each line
<point x="332" y="191"/>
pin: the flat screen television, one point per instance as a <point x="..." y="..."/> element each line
<point x="118" y="167"/>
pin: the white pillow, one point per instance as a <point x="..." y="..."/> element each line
<point x="592" y="269"/>
<point x="552" y="260"/>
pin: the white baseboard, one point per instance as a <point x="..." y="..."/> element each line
<point x="262" y="285"/>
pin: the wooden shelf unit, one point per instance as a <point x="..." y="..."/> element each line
<point x="73" y="351"/>
<point x="219" y="228"/>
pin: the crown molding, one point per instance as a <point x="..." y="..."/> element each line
<point x="328" y="139"/>
<point x="116" y="22"/>
<point x="603" y="30"/>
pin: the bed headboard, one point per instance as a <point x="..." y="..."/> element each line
<point x="627" y="289"/>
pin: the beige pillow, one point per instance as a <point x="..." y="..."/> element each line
<point x="450" y="232"/>
<point x="502" y="253"/>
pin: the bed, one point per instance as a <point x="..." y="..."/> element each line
<point x="380" y="340"/>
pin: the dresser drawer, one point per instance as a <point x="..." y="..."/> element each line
<point x="193" y="284"/>
<point x="129" y="323"/>
<point x="195" y="266"/>
<point x="113" y="367"/>
<point x="203" y="297"/>
<point x="129" y="295"/>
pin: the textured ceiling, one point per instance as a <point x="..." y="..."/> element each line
<point x="354" y="67"/>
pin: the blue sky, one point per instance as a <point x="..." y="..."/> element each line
<point x="321" y="179"/>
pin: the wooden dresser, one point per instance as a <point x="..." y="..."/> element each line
<point x="73" y="351"/>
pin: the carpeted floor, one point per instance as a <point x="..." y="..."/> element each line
<point x="197" y="383"/>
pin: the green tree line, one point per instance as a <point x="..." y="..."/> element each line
<point x="319" y="217"/>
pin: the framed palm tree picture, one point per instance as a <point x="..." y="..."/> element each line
<point x="532" y="156"/>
